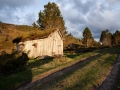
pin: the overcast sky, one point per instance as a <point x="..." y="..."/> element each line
<point x="98" y="15"/>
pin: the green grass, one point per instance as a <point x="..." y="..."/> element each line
<point x="88" y="76"/>
<point x="36" y="67"/>
<point x="89" y="72"/>
<point x="41" y="66"/>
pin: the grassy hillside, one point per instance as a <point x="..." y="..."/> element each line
<point x="8" y="32"/>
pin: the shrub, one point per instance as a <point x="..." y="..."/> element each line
<point x="11" y="63"/>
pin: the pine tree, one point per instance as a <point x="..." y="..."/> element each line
<point x="106" y="38"/>
<point x="51" y="17"/>
<point x="87" y="37"/>
<point x="35" y="26"/>
<point x="116" y="37"/>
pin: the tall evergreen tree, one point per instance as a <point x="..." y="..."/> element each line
<point x="35" y="26"/>
<point x="106" y="38"/>
<point x="87" y="37"/>
<point x="51" y="17"/>
<point x="116" y="37"/>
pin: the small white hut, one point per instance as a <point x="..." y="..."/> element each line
<point x="49" y="45"/>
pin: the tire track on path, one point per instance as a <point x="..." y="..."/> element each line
<point x="48" y="80"/>
<point x="111" y="80"/>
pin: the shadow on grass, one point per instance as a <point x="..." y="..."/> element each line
<point x="12" y="70"/>
<point x="58" y="76"/>
<point x="112" y="50"/>
<point x="12" y="63"/>
<point x="39" y="62"/>
<point x="73" y="55"/>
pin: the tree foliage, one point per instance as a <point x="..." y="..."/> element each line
<point x="35" y="26"/>
<point x="87" y="37"/>
<point x="116" y="37"/>
<point x="106" y="38"/>
<point x="51" y="17"/>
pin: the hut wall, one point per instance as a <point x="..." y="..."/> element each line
<point x="53" y="45"/>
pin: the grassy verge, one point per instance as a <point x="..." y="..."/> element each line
<point x="36" y="67"/>
<point x="88" y="76"/>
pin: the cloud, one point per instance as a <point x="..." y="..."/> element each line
<point x="16" y="11"/>
<point x="28" y="19"/>
<point x="97" y="15"/>
<point x="74" y="16"/>
<point x="83" y="8"/>
<point x="112" y="1"/>
<point x="16" y="3"/>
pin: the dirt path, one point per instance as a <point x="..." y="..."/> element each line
<point x="111" y="80"/>
<point x="108" y="84"/>
<point x="51" y="77"/>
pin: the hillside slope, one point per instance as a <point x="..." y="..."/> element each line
<point x="8" y="32"/>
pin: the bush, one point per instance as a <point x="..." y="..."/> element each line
<point x="11" y="63"/>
